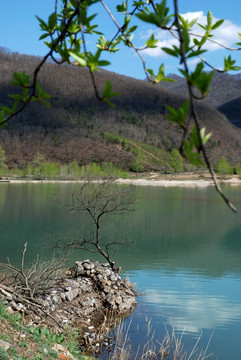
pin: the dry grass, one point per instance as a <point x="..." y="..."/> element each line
<point x="171" y="347"/>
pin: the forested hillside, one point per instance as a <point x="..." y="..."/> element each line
<point x="72" y="128"/>
<point x="225" y="94"/>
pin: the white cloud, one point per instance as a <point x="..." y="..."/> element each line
<point x="193" y="312"/>
<point x="225" y="34"/>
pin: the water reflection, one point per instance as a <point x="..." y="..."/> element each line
<point x="186" y="260"/>
<point x="191" y="311"/>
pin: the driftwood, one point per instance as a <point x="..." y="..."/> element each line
<point x="35" y="280"/>
<point x="8" y="292"/>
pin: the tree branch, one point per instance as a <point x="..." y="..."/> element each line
<point x="195" y="116"/>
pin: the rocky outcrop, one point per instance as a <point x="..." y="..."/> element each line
<point x="84" y="296"/>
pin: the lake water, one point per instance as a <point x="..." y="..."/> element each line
<point x="186" y="262"/>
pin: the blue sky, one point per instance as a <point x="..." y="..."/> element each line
<point x="20" y="32"/>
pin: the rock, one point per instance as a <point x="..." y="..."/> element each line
<point x="63" y="353"/>
<point x="118" y="299"/>
<point x="55" y="300"/>
<point x="107" y="289"/>
<point x="72" y="284"/>
<point x="122" y="307"/>
<point x="4" y="344"/>
<point x="10" y="310"/>
<point x="113" y="277"/>
<point x="72" y="294"/>
<point x="62" y="296"/>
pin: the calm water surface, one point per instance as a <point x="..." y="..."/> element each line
<point x="186" y="262"/>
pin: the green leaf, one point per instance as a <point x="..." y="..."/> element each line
<point x="151" y="72"/>
<point x="204" y="137"/>
<point x="80" y="58"/>
<point x="196" y="53"/>
<point x="107" y="93"/>
<point x="20" y="79"/>
<point x="52" y="21"/>
<point x="178" y="116"/>
<point x="103" y="63"/>
<point x="122" y="7"/>
<point x="209" y="20"/>
<point x="186" y="40"/>
<point x="43" y="36"/>
<point x="229" y="64"/>
<point x="151" y="42"/>
<point x="169" y="51"/>
<point x="7" y="110"/>
<point x="43" y="24"/>
<point x="217" y="24"/>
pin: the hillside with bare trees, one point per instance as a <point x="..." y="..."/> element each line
<point x="72" y="128"/>
<point x="225" y="94"/>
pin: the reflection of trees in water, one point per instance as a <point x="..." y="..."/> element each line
<point x="184" y="228"/>
<point x="172" y="228"/>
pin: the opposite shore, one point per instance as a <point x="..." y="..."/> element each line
<point x="152" y="179"/>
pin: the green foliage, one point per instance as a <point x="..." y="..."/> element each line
<point x="148" y="157"/>
<point x="15" y="320"/>
<point x="37" y="165"/>
<point x="107" y="93"/>
<point x="178" y="116"/>
<point x="199" y="78"/>
<point x="194" y="143"/>
<point x="223" y="167"/>
<point x="237" y="169"/>
<point x="112" y="138"/>
<point x="160" y="18"/>
<point x="137" y="165"/>
<point x="74" y="169"/>
<point x="3" y="354"/>
<point x="38" y="334"/>
<point x="176" y="161"/>
<point x="40" y="168"/>
<point x="3" y="166"/>
<point x="160" y="76"/>
<point x="43" y="338"/>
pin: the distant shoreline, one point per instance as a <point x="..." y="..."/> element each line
<point x="152" y="179"/>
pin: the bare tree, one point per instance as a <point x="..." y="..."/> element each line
<point x="100" y="201"/>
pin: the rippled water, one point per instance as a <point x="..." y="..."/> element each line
<point x="186" y="262"/>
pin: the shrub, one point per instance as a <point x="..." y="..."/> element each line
<point x="137" y="166"/>
<point x="3" y="166"/>
<point x="74" y="170"/>
<point x="237" y="169"/>
<point x="223" y="167"/>
<point x="51" y="169"/>
<point x="176" y="161"/>
<point x="112" y="138"/>
<point x="109" y="170"/>
<point x="37" y="165"/>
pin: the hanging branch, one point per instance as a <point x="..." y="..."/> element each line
<point x="195" y="116"/>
